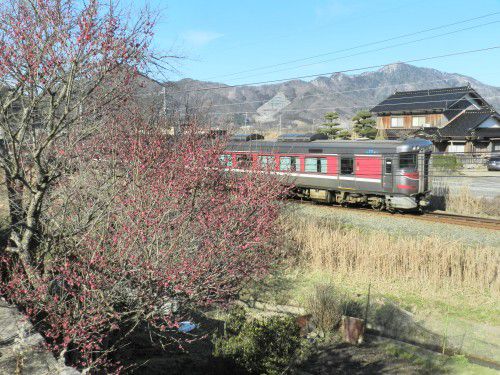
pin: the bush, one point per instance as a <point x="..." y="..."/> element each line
<point x="235" y="321"/>
<point x="446" y="162"/>
<point x="327" y="305"/>
<point x="266" y="346"/>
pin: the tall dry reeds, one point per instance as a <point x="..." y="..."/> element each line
<point x="463" y="201"/>
<point x="428" y="261"/>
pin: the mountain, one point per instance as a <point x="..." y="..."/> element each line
<point x="303" y="103"/>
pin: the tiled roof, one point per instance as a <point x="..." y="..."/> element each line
<point x="428" y="133"/>
<point x="463" y="124"/>
<point x="397" y="133"/>
<point x="423" y="100"/>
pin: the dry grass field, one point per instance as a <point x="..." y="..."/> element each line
<point x="464" y="202"/>
<point x="427" y="263"/>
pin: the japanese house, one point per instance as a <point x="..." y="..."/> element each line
<point x="455" y="119"/>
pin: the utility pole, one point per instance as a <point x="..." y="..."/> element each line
<point x="165" y="101"/>
<point x="280" y="126"/>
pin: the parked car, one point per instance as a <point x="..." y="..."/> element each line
<point x="494" y="163"/>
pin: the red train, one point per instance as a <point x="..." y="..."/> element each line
<point x="391" y="175"/>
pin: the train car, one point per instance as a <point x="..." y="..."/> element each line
<point x="391" y="175"/>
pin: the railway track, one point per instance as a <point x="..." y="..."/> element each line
<point x="471" y="221"/>
<point x="437" y="216"/>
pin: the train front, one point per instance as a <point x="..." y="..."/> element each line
<point x="412" y="172"/>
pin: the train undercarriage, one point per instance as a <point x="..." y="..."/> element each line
<point x="377" y="201"/>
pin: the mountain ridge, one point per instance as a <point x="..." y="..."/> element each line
<point x="304" y="103"/>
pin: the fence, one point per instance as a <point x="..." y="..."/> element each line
<point x="443" y="333"/>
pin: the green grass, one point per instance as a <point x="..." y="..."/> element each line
<point x="430" y="362"/>
<point x="292" y="286"/>
<point x="465" y="321"/>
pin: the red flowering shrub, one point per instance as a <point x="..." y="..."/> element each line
<point x="113" y="224"/>
<point x="177" y="233"/>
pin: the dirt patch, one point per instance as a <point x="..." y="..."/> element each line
<point x="371" y="357"/>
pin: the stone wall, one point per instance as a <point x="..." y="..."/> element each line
<point x="21" y="347"/>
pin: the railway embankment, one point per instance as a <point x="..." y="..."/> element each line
<point x="443" y="276"/>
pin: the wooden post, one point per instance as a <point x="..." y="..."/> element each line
<point x="367" y="304"/>
<point x="352" y="330"/>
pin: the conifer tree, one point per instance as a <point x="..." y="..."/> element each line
<point x="364" y="125"/>
<point x="331" y="126"/>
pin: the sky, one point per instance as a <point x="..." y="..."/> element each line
<point x="237" y="42"/>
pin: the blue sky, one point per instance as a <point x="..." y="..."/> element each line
<point x="222" y="37"/>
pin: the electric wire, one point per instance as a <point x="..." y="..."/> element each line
<point x="347" y="107"/>
<point x="358" y="46"/>
<point x="327" y="94"/>
<point x="371" y="50"/>
<point x="452" y="54"/>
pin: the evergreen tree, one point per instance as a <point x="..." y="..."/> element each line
<point x="344" y="134"/>
<point x="331" y="126"/>
<point x="364" y="125"/>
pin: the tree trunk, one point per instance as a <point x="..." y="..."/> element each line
<point x="15" y="198"/>
<point x="24" y="215"/>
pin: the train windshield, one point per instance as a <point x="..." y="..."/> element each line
<point x="408" y="161"/>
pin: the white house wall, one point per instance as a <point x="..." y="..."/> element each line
<point x="491" y="122"/>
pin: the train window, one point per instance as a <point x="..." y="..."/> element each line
<point x="346" y="166"/>
<point x="289" y="163"/>
<point x="408" y="161"/>
<point x="315" y="150"/>
<point x="317" y="165"/>
<point x="226" y="160"/>
<point x="243" y="161"/>
<point x="388" y="166"/>
<point x="266" y="162"/>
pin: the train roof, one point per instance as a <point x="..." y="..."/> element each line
<point x="332" y="146"/>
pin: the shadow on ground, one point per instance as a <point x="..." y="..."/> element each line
<point x="374" y="356"/>
<point x="141" y="355"/>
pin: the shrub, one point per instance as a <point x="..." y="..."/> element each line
<point x="446" y="162"/>
<point x="265" y="346"/>
<point x="235" y="321"/>
<point x="327" y="305"/>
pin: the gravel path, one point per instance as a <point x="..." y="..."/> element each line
<point x="398" y="224"/>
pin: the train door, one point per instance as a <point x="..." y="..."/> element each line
<point x="347" y="177"/>
<point x="387" y="179"/>
<point x="423" y="168"/>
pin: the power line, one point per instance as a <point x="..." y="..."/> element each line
<point x="372" y="50"/>
<point x="324" y="95"/>
<point x="220" y="87"/>
<point x="358" y="46"/>
<point x="345" y="107"/>
<point x="282" y="35"/>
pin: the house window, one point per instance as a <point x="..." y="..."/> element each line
<point x="316" y="165"/>
<point x="266" y="162"/>
<point x="397" y="122"/>
<point x="226" y="160"/>
<point x="457" y="147"/>
<point x="289" y="163"/>
<point x="418" y="121"/>
<point x="346" y="166"/>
